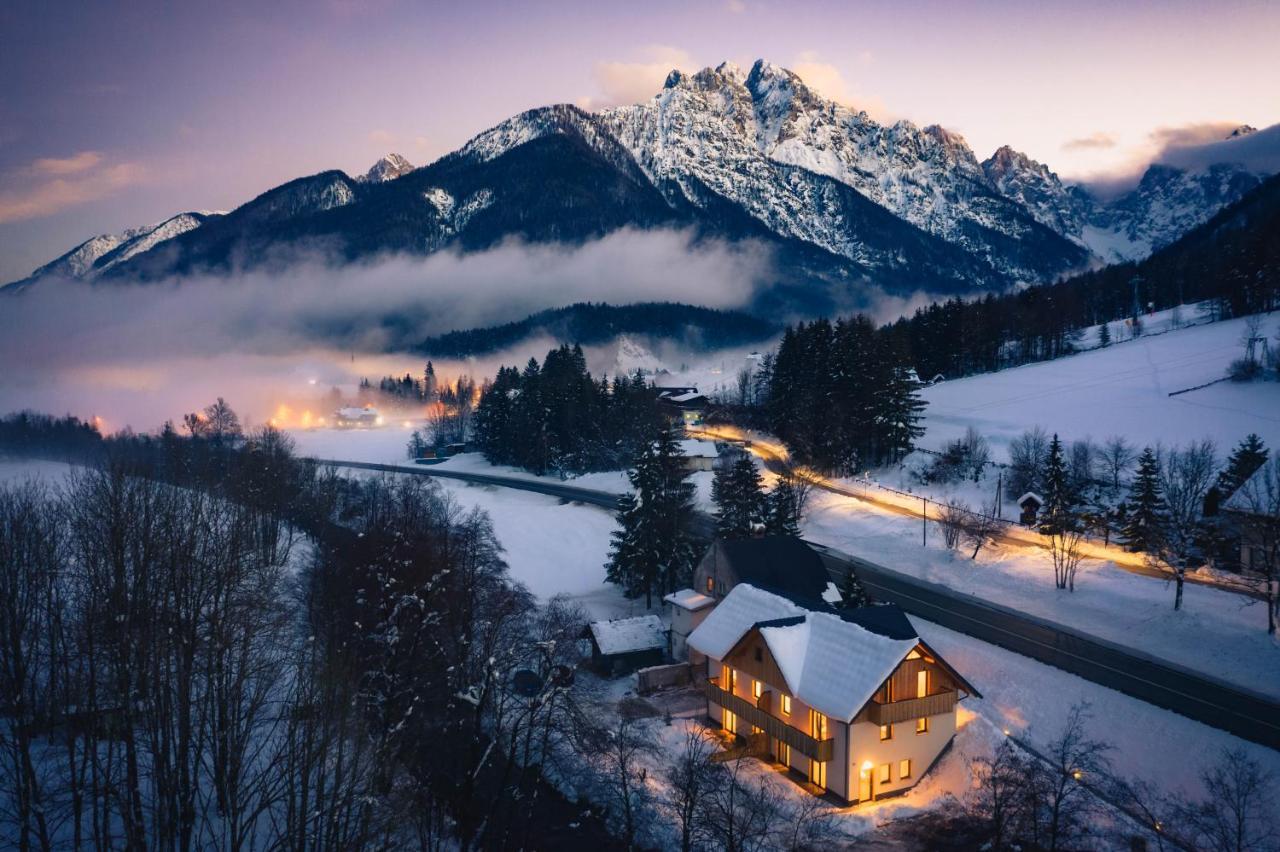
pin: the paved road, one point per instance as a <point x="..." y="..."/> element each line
<point x="775" y="459"/>
<point x="1250" y="716"/>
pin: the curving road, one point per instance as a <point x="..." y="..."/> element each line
<point x="1248" y="715"/>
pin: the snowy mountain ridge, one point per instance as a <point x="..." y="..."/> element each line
<point x="755" y="154"/>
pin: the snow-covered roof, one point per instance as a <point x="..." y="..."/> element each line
<point x="1257" y="495"/>
<point x="625" y="635"/>
<point x="831" y="664"/>
<point x="741" y="610"/>
<point x="832" y="594"/>
<point x="689" y="396"/>
<point x="1031" y="495"/>
<point x="689" y="599"/>
<point x="696" y="449"/>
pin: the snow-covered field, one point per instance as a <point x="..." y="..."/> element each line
<point x="1120" y="390"/>
<point x="1216" y="632"/>
<point x="47" y="473"/>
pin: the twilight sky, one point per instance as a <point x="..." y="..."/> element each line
<point x="114" y="115"/>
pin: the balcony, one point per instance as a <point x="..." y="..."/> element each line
<point x="912" y="708"/>
<point x="820" y="750"/>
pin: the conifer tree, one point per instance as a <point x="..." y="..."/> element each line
<point x="653" y="551"/>
<point x="852" y="595"/>
<point x="736" y="491"/>
<point x="1249" y="455"/>
<point x="1104" y="335"/>
<point x="782" y="510"/>
<point x="1059" y="510"/>
<point x="1145" y="509"/>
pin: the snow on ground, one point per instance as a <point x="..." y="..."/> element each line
<point x="387" y="445"/>
<point x="1216" y="632"/>
<point x="1120" y="390"/>
<point x="48" y="473"/>
<point x="552" y="548"/>
<point x="1032" y="700"/>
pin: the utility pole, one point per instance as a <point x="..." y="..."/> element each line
<point x="999" y="493"/>
<point x="924" y="522"/>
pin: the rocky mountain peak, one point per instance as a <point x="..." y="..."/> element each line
<point x="1242" y="130"/>
<point x="388" y="168"/>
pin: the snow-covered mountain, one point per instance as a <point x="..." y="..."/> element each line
<point x="106" y="251"/>
<point x="842" y="200"/>
<point x="388" y="168"/>
<point x="1167" y="202"/>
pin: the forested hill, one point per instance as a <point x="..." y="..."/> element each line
<point x="588" y="323"/>
<point x="1232" y="261"/>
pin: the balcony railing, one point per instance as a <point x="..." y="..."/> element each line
<point x="911" y="708"/>
<point x="820" y="750"/>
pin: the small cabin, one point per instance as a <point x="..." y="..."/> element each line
<point x="687" y="609"/>
<point x="622" y="645"/>
<point x="1030" y="504"/>
<point x="699" y="455"/>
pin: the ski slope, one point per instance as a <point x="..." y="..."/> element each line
<point x="1120" y="390"/>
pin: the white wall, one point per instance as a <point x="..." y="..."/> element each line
<point x="922" y="749"/>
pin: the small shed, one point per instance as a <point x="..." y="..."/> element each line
<point x="625" y="644"/>
<point x="1030" y="504"/>
<point x="699" y="455"/>
<point x="688" y="608"/>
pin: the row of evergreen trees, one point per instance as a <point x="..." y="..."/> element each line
<point x="842" y="397"/>
<point x="555" y="417"/>
<point x="1233" y="262"/>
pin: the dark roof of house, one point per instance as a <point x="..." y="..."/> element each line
<point x="780" y="564"/>
<point x="885" y="619"/>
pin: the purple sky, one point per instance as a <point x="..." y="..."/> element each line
<point x="113" y="115"/>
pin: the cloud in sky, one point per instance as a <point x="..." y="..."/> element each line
<point x="1193" y="145"/>
<point x="52" y="184"/>
<point x="827" y="80"/>
<point x="632" y="82"/>
<point x="1093" y="141"/>
<point x="242" y="336"/>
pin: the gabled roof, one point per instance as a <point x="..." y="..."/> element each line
<point x="1033" y="495"/>
<point x="833" y="663"/>
<point x="1257" y="495"/>
<point x="627" y="635"/>
<point x="781" y="564"/>
<point x="742" y="609"/>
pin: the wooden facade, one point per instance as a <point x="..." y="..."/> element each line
<point x="778" y="729"/>
<point x="912" y="708"/>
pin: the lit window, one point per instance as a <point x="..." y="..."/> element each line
<point x="922" y="684"/>
<point x="886" y="732"/>
<point x="884" y="773"/>
<point x="914" y="655"/>
<point x="786" y="705"/>
<point x="904" y="769"/>
<point x="922" y="725"/>
<point x="711" y="585"/>
<point x="784" y="754"/>
<point x="757" y="688"/>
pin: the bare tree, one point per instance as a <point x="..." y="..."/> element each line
<point x="1072" y="758"/>
<point x="625" y="776"/>
<point x="1081" y="463"/>
<point x="1028" y="454"/>
<point x="981" y="527"/>
<point x="996" y="797"/>
<point x="953" y="516"/>
<point x="1239" y="812"/>
<point x="689" y="777"/>
<point x="1065" y="553"/>
<point x="1185" y="477"/>
<point x="1118" y="456"/>
<point x="739" y="812"/>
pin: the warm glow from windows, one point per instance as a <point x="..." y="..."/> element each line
<point x="886" y="732"/>
<point x="922" y="725"/>
<point x="884" y="773"/>
<point x="786" y="705"/>
<point x="922" y="684"/>
<point x="757" y="688"/>
<point x="914" y="655"/>
<point x="904" y="769"/>
<point x="711" y="585"/>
